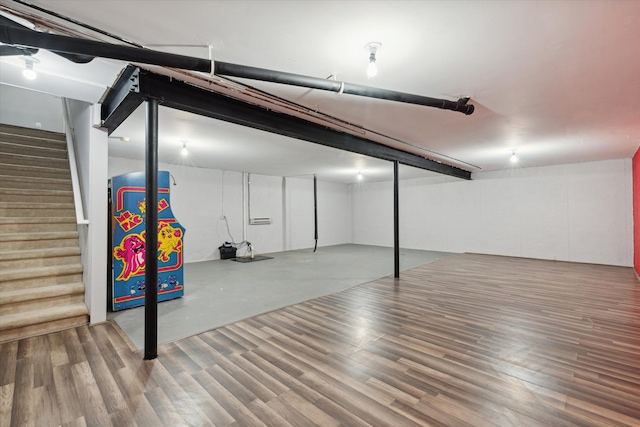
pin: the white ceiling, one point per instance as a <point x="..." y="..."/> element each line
<point x="557" y="82"/>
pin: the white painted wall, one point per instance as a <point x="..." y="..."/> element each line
<point x="577" y="212"/>
<point x="202" y="196"/>
<point x="91" y="153"/>
<point x="27" y="108"/>
<point x="334" y="213"/>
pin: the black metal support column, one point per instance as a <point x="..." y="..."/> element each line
<point x="151" y="248"/>
<point x="315" y="209"/>
<point x="396" y="222"/>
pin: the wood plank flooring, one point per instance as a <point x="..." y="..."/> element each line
<point x="469" y="340"/>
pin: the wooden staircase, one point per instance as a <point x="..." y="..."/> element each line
<point x="41" y="288"/>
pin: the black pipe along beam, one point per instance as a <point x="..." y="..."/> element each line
<point x="71" y="45"/>
<point x="253" y="73"/>
<point x="65" y="44"/>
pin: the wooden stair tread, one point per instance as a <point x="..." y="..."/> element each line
<point x="45" y="235"/>
<point x="41" y="287"/>
<point x="37" y="220"/>
<point x="21" y="295"/>
<point x="35" y="169"/>
<point x="50" y="314"/>
<point x="37" y="205"/>
<point x="40" y="253"/>
<point x="30" y="273"/>
<point x="35" y="192"/>
<point x="13" y="143"/>
<point x="35" y="179"/>
<point x="18" y="158"/>
<point x="31" y="133"/>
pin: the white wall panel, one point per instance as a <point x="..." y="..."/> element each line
<point x="598" y="215"/>
<point x="266" y="201"/>
<point x="300" y="222"/>
<point x="334" y="215"/>
<point x="544" y="215"/>
<point x="372" y="207"/>
<point x="579" y="212"/>
<point x="91" y="154"/>
<point x="26" y="108"/>
<point x="202" y="196"/>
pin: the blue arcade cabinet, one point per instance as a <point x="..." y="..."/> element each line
<point x="128" y="241"/>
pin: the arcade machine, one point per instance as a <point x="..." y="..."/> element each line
<point x="128" y="209"/>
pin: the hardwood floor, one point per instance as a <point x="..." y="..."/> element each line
<point x="469" y="340"/>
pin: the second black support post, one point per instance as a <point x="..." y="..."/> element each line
<point x="396" y="223"/>
<point x="151" y="248"/>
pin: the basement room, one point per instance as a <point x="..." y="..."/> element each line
<point x="312" y="213"/>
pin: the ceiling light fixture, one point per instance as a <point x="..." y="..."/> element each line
<point x="184" y="151"/>
<point x="372" y="48"/>
<point x="359" y="176"/>
<point x="514" y="158"/>
<point x="28" y="72"/>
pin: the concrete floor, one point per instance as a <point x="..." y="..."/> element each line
<point x="223" y="291"/>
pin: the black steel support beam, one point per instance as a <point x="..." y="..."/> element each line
<point x="182" y="96"/>
<point x="122" y="99"/>
<point x="151" y="227"/>
<point x="65" y="44"/>
<point x="396" y="222"/>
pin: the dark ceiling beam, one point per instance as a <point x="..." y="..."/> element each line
<point x="80" y="48"/>
<point x="122" y="99"/>
<point x="182" y="96"/>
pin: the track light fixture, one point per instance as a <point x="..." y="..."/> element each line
<point x="372" y="48"/>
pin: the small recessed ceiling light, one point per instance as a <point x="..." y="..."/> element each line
<point x="184" y="151"/>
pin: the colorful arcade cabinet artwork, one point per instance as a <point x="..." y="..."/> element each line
<point x="129" y="237"/>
